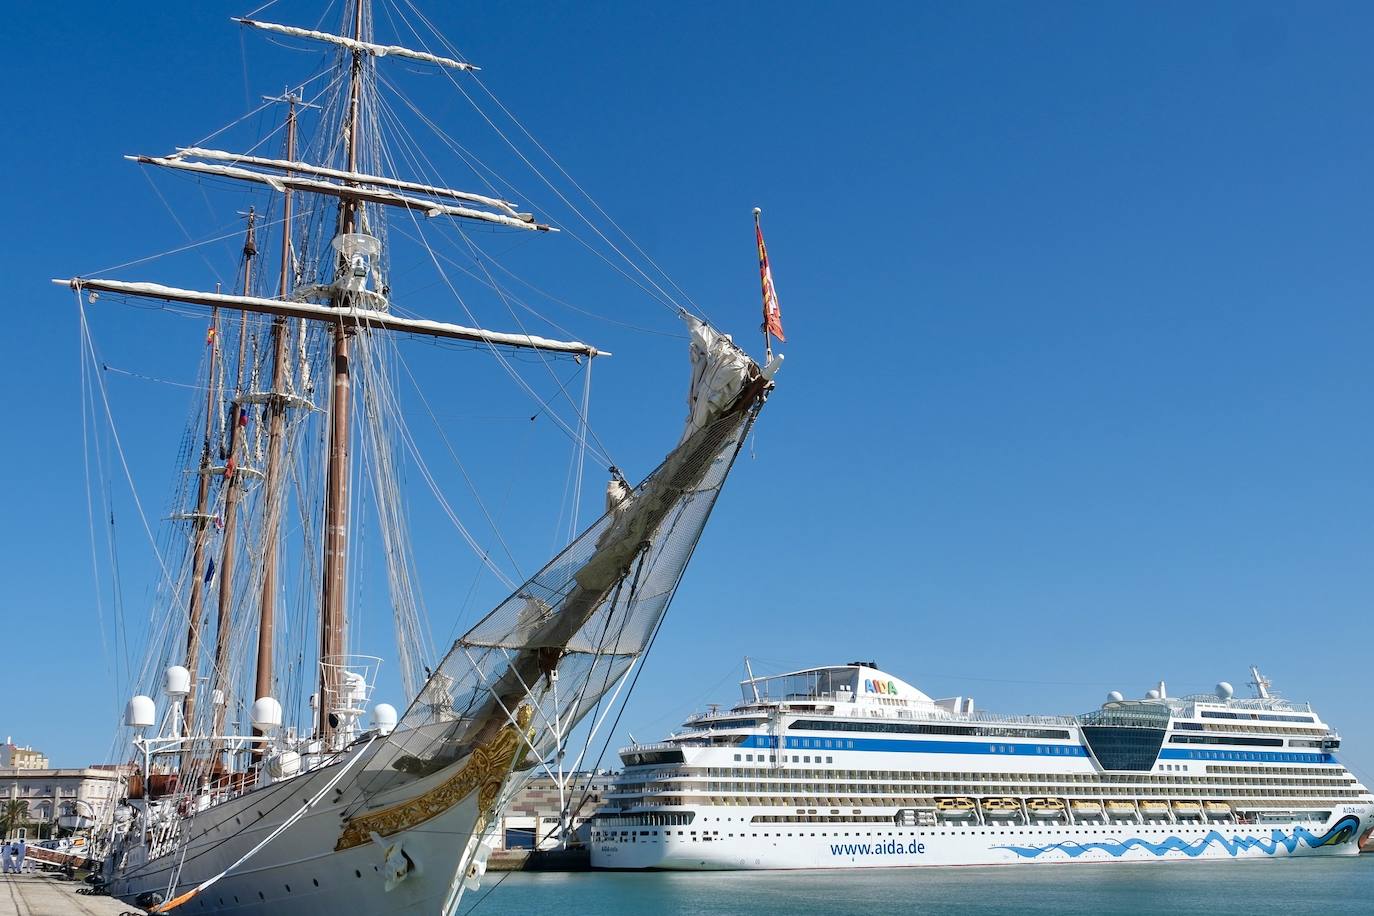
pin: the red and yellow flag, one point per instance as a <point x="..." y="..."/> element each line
<point x="772" y="314"/>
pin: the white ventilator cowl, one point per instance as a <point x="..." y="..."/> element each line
<point x="177" y="682"/>
<point x="266" y="714"/>
<point x="384" y="718"/>
<point x="140" y="713"/>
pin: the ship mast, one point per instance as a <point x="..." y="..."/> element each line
<point x="233" y="474"/>
<point x="333" y="606"/>
<point x="276" y="422"/>
<point x="200" y="518"/>
<point x="342" y="302"/>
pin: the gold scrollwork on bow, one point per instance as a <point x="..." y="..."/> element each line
<point x="484" y="772"/>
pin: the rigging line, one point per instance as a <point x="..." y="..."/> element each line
<point x="149" y="378"/>
<point x="158" y="191"/>
<point x="119" y="447"/>
<point x="501" y="357"/>
<point x="406" y="142"/>
<point x="590" y="314"/>
<point x="466" y="604"/>
<point x="236" y="232"/>
<point x="260" y="9"/>
<point x="600" y="446"/>
<point x="513" y="191"/>
<point x="453" y="516"/>
<point x="668" y="301"/>
<point x="324" y="71"/>
<point x="481" y="504"/>
<point x="564" y="172"/>
<point x="581" y="449"/>
<point x="90" y="518"/>
<point x="605" y="683"/>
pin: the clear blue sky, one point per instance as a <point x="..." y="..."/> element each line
<point x="1078" y="382"/>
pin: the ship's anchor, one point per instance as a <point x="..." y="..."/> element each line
<point x="397" y="864"/>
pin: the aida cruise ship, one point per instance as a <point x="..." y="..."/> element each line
<point x="851" y="767"/>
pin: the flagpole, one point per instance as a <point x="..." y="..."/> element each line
<point x="767" y="338"/>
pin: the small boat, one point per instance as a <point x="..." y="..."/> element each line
<point x="1084" y="806"/>
<point x="1217" y="807"/>
<point x="1045" y="807"/>
<point x="1121" y="807"/>
<point x="1001" y="804"/>
<point x="955" y="807"/>
<point x="1154" y="808"/>
<point x="1188" y="807"/>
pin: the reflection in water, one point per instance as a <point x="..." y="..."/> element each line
<point x="1291" y="887"/>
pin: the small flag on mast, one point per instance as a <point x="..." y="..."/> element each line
<point x="772" y="314"/>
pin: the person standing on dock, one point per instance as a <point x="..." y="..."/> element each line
<point x="6" y="858"/>
<point x="23" y="851"/>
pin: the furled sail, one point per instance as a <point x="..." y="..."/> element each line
<point x="585" y="616"/>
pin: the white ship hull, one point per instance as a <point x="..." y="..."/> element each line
<point x="301" y="871"/>
<point x="865" y="846"/>
<point x="846" y="766"/>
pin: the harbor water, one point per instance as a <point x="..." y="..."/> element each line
<point x="1300" y="886"/>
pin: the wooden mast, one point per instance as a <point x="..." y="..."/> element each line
<point x="276" y="423"/>
<point x="233" y="488"/>
<point x="200" y="518"/>
<point x="333" y="609"/>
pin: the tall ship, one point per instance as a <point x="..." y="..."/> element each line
<point x="848" y="766"/>
<point x="267" y="776"/>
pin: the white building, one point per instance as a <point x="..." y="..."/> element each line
<point x="21" y="758"/>
<point x="53" y="793"/>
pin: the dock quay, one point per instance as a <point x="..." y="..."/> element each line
<point x="576" y="858"/>
<point x="41" y="894"/>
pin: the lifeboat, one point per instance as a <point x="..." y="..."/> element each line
<point x="955" y="807"/>
<point x="1154" y="808"/>
<point x="1045" y="807"/>
<point x="1083" y="806"/>
<point x="1217" y="808"/>
<point x="1188" y="807"/>
<point x="1121" y="807"/>
<point x="1001" y="804"/>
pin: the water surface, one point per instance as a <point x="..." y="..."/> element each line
<point x="1283" y="886"/>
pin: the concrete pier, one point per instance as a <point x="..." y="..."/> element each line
<point x="44" y="895"/>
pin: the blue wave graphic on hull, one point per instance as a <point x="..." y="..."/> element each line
<point x="1342" y="832"/>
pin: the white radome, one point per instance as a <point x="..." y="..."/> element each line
<point x="141" y="712"/>
<point x="266" y="714"/>
<point x="177" y="683"/>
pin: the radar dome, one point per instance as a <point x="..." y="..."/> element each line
<point x="266" y="714"/>
<point x="1152" y="694"/>
<point x="140" y="713"/>
<point x="1115" y="697"/>
<point x="1225" y="691"/>
<point x="178" y="682"/>
<point x="384" y="718"/>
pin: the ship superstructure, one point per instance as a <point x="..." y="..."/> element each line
<point x="848" y="766"/>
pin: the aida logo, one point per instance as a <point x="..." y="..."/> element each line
<point x="872" y="686"/>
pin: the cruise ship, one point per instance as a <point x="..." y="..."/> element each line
<point x="848" y="766"/>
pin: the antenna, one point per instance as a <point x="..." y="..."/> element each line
<point x="1259" y="682"/>
<point x="749" y="670"/>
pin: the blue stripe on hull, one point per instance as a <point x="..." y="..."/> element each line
<point x="901" y="746"/>
<point x="1345" y="831"/>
